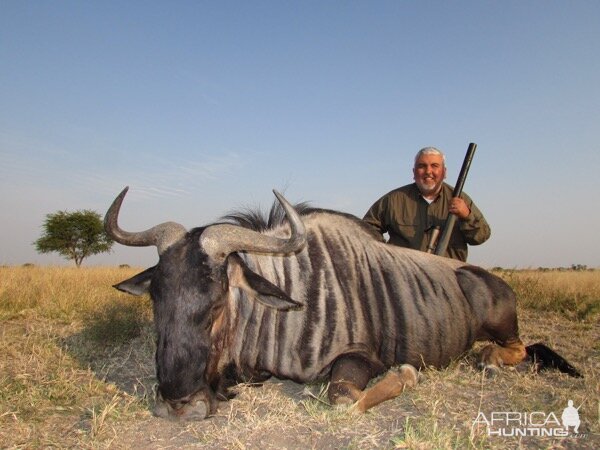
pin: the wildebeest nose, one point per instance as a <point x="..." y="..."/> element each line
<point x="195" y="409"/>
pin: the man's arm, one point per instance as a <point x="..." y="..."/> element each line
<point x="474" y="227"/>
<point x="375" y="215"/>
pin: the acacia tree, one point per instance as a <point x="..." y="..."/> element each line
<point x="74" y="235"/>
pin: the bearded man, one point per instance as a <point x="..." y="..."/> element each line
<point x="410" y="213"/>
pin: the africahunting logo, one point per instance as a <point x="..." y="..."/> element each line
<point x="536" y="424"/>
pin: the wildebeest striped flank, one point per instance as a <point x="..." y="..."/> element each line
<point x="317" y="295"/>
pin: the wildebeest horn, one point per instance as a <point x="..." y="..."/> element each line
<point x="221" y="240"/>
<point x="162" y="236"/>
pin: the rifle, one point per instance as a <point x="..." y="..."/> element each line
<point x="442" y="245"/>
<point x="433" y="238"/>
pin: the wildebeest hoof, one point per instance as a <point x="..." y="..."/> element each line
<point x="489" y="370"/>
<point x="409" y="374"/>
<point x="343" y="401"/>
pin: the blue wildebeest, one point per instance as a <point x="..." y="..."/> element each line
<point x="317" y="296"/>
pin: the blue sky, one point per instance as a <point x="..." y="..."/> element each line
<point x="201" y="107"/>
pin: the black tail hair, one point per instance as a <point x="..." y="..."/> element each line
<point x="544" y="357"/>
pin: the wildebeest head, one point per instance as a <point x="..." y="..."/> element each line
<point x="189" y="288"/>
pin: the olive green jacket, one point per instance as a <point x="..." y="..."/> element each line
<point x="408" y="219"/>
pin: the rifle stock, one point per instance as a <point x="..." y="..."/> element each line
<point x="433" y="238"/>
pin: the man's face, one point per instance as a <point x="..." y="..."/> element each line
<point x="429" y="174"/>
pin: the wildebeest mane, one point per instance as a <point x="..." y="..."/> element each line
<point x="258" y="220"/>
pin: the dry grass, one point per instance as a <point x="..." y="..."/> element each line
<point x="574" y="294"/>
<point x="77" y="371"/>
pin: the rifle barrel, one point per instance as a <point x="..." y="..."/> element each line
<point x="451" y="220"/>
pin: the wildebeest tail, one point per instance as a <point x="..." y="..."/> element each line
<point x="544" y="357"/>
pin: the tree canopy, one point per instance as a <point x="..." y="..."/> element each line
<point x="74" y="235"/>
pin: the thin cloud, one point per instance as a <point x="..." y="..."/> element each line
<point x="26" y="162"/>
<point x="169" y="177"/>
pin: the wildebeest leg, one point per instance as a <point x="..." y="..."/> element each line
<point x="494" y="300"/>
<point x="350" y="375"/>
<point x="390" y="386"/>
<point x="494" y="356"/>
<point x="502" y="327"/>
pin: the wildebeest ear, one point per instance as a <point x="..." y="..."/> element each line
<point x="138" y="284"/>
<point x="257" y="287"/>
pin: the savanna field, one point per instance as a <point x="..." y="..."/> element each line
<point x="77" y="371"/>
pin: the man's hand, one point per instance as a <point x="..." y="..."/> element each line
<point x="459" y="208"/>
